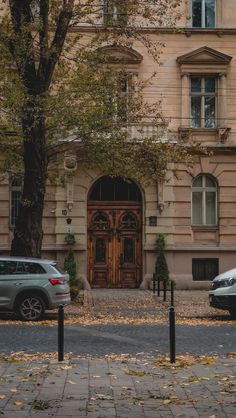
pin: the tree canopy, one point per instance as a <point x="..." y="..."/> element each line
<point x="60" y="86"/>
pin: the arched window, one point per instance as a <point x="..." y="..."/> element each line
<point x="204" y="200"/>
<point x="15" y="195"/>
<point x="114" y="189"/>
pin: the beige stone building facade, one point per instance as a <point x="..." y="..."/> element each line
<point x="115" y="224"/>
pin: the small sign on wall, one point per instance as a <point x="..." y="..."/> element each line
<point x="152" y="220"/>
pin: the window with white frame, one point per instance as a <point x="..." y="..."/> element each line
<point x="203" y="13"/>
<point x="114" y="12"/>
<point x="117" y="103"/>
<point x="15" y="195"/>
<point x="123" y="90"/>
<point x="203" y="102"/>
<point x="204" y="201"/>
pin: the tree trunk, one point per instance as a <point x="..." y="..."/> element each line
<point x="28" y="233"/>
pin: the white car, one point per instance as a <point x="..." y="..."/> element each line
<point x="223" y="292"/>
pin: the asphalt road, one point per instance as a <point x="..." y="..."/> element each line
<point x="117" y="339"/>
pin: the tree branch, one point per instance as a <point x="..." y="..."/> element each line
<point x="56" y="47"/>
<point x="43" y="34"/>
<point x="22" y="42"/>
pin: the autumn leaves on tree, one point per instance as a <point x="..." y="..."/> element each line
<point x="64" y="80"/>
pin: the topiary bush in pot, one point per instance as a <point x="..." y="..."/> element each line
<point x="161" y="267"/>
<point x="70" y="268"/>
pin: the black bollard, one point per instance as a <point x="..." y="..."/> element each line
<point x="158" y="286"/>
<point x="172" y="294"/>
<point x="154" y="283"/>
<point x="61" y="333"/>
<point x="164" y="291"/>
<point x="172" y="333"/>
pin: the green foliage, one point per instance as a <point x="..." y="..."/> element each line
<point x="161" y="267"/>
<point x="78" y="98"/>
<point x="70" y="238"/>
<point x="60" y="86"/>
<point x="70" y="267"/>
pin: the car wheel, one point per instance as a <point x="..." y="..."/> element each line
<point x="232" y="313"/>
<point x="30" y="307"/>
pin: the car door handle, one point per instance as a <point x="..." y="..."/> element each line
<point x="18" y="284"/>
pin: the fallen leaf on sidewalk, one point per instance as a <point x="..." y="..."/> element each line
<point x="71" y="382"/>
<point x="18" y="403"/>
<point x="2" y="396"/>
<point x="103" y="397"/>
<point x="135" y="373"/>
<point x="40" y="405"/>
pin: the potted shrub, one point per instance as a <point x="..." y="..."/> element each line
<point x="70" y="238"/>
<point x="161" y="267"/>
<point x="70" y="268"/>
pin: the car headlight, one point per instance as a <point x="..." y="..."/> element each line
<point x="231" y="281"/>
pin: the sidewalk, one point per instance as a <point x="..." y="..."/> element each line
<point x="118" y="387"/>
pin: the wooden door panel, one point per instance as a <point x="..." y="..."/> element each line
<point x="114" y="247"/>
<point x="128" y="279"/>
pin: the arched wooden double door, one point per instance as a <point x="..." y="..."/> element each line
<point x="114" y="234"/>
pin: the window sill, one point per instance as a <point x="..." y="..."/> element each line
<point x="215" y="30"/>
<point x="205" y="227"/>
<point x="221" y="133"/>
<point x="198" y="130"/>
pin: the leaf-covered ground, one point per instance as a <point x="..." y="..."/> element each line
<point x="142" y="386"/>
<point x="133" y="306"/>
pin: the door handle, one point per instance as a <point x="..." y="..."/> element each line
<point x="18" y="284"/>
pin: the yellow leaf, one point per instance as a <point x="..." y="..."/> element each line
<point x="71" y="382"/>
<point x="18" y="403"/>
<point x="2" y="396"/>
<point x="166" y="401"/>
<point x="13" y="390"/>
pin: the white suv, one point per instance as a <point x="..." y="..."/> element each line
<point x="29" y="286"/>
<point x="223" y="292"/>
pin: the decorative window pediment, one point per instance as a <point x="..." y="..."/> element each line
<point x="121" y="54"/>
<point x="204" y="56"/>
<point x="203" y="74"/>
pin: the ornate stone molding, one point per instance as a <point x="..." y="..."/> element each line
<point x="223" y="134"/>
<point x="70" y="166"/>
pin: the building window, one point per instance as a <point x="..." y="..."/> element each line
<point x="114" y="13"/>
<point x="123" y="91"/>
<point x="15" y="195"/>
<point x="205" y="268"/>
<point x="204" y="201"/>
<point x="203" y="102"/>
<point x="117" y="101"/>
<point x="112" y="189"/>
<point x="203" y="13"/>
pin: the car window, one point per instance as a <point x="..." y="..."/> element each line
<point x="31" y="268"/>
<point x="58" y="268"/>
<point x="7" y="267"/>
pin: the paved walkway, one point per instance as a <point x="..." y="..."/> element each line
<point x="118" y="388"/>
<point x="135" y="385"/>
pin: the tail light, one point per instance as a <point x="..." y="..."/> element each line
<point x="54" y="282"/>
